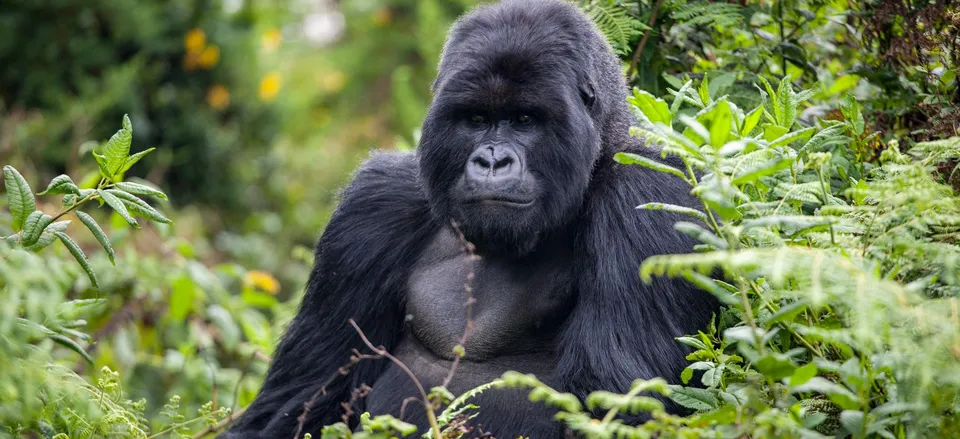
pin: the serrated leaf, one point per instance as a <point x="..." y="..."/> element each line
<point x="118" y="206"/>
<point x="117" y="149"/>
<point x="79" y="256"/>
<point x="673" y="208"/>
<point x="654" y="108"/>
<point x="132" y="160"/>
<point x="98" y="233"/>
<point x="627" y="158"/>
<point x="34" y="226"/>
<point x="140" y="189"/>
<point x="765" y="169"/>
<point x="795" y="136"/>
<point x="693" y="398"/>
<point x="61" y="184"/>
<point x="105" y="171"/>
<point x="19" y="196"/>
<point x="139" y="207"/>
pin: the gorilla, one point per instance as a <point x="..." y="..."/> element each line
<point x="517" y="155"/>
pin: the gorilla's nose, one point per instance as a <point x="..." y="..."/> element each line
<point x="492" y="163"/>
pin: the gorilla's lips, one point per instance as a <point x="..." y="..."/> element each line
<point x="500" y="201"/>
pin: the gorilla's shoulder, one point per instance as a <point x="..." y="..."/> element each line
<point x="381" y="210"/>
<point x="385" y="176"/>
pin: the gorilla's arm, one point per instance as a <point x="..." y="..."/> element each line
<point x="623" y="328"/>
<point x="362" y="261"/>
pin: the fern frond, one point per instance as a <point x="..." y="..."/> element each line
<point x="615" y="23"/>
<point x="703" y="13"/>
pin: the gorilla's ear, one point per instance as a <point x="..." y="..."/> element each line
<point x="587" y="93"/>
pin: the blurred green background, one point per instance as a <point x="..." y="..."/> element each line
<point x="261" y="109"/>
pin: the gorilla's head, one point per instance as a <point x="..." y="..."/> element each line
<point x="527" y="98"/>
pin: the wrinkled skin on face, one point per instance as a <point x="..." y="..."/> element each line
<point x="513" y="133"/>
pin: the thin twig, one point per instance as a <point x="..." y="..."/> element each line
<point x="344" y="370"/>
<point x="472" y="258"/>
<point x="380" y="350"/>
<point x="643" y="41"/>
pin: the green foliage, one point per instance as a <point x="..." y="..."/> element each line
<point x="109" y="315"/>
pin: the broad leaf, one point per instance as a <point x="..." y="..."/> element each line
<point x="132" y="160"/>
<point x="62" y="184"/>
<point x="117" y="149"/>
<point x="654" y="108"/>
<point x="693" y="398"/>
<point x="35" y="224"/>
<point x="19" y="196"/>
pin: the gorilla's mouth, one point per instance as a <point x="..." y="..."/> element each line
<point x="500" y="201"/>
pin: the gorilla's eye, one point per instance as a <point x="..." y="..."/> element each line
<point x="524" y="119"/>
<point x="478" y="118"/>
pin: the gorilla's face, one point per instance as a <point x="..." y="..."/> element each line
<point x="508" y="144"/>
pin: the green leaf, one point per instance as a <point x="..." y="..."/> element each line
<point x="140" y="189"/>
<point x="843" y="84"/>
<point x="117" y="149"/>
<point x="700" y="234"/>
<point x="851" y="112"/>
<point x="686" y="375"/>
<point x="627" y="158"/>
<point x="132" y="160"/>
<point x="773" y="132"/>
<point x="105" y="171"/>
<point x="673" y="208"/>
<point x="19" y="196"/>
<point x="72" y="345"/>
<point x="776" y="366"/>
<point x="97" y="232"/>
<point x="720" y="122"/>
<point x="802" y="375"/>
<point x="62" y="184"/>
<point x="693" y="398"/>
<point x="787" y="313"/>
<point x="182" y="298"/>
<point x="139" y="207"/>
<point x="852" y="421"/>
<point x="788" y="138"/>
<point x="765" y="169"/>
<point x="678" y="97"/>
<point x="79" y="256"/>
<point x="35" y="224"/>
<point x="751" y="120"/>
<point x="654" y="108"/>
<point x="48" y="237"/>
<point x="837" y="393"/>
<point x="118" y="206"/>
<point x="693" y="342"/>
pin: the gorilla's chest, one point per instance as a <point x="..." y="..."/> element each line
<point x="516" y="308"/>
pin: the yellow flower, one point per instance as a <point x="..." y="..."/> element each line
<point x="333" y="81"/>
<point x="271" y="40"/>
<point x="381" y="17"/>
<point x="195" y="40"/>
<point x="263" y="281"/>
<point x="209" y="57"/>
<point x="270" y="86"/>
<point x="218" y="97"/>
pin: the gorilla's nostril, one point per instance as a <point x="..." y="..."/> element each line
<point x="480" y="161"/>
<point x="503" y="163"/>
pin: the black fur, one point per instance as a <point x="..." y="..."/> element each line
<point x="545" y="57"/>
